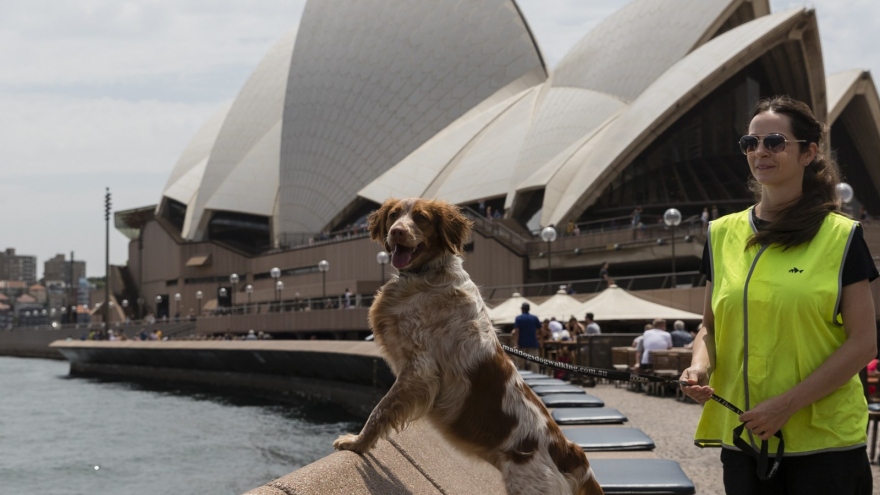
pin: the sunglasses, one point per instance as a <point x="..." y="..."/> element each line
<point x="774" y="143"/>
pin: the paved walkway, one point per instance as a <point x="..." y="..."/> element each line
<point x="671" y="425"/>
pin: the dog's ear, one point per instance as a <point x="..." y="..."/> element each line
<point x="377" y="221"/>
<point x="455" y="228"/>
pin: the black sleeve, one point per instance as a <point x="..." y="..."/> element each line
<point x="858" y="265"/>
<point x="705" y="266"/>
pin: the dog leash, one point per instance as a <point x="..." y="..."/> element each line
<point x="764" y="472"/>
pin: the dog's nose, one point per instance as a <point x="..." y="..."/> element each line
<point x="397" y="231"/>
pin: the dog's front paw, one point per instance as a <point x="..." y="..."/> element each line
<point x="354" y="443"/>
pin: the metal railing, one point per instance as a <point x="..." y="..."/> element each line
<point x="592" y="285"/>
<point x="498" y="231"/>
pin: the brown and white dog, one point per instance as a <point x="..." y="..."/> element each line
<point x="432" y="327"/>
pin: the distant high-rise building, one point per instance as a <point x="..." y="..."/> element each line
<point x="58" y="269"/>
<point x="17" y="267"/>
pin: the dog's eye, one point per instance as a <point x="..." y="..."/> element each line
<point x="392" y="215"/>
<point x="419" y="217"/>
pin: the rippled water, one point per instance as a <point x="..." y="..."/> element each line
<point x="61" y="435"/>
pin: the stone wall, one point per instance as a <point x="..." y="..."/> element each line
<point x="348" y="373"/>
<point x="31" y="343"/>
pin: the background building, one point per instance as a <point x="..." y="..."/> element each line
<point x="58" y="269"/>
<point x="18" y="267"/>
<point x="348" y="110"/>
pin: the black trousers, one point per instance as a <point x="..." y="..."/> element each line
<point x="846" y="472"/>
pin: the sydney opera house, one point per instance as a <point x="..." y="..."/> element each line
<point x="454" y="100"/>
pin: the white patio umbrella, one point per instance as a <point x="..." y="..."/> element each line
<point x="615" y="303"/>
<point x="507" y="311"/>
<point x="560" y="305"/>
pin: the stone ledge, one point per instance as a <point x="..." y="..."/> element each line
<point x="415" y="461"/>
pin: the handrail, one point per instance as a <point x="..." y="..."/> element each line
<point x="591" y="285"/>
<point x="498" y="231"/>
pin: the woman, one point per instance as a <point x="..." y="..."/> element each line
<point x="788" y="319"/>
<point x="574" y="328"/>
<point x="544" y="333"/>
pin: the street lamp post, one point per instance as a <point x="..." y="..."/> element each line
<point x="107" y="289"/>
<point x="275" y="273"/>
<point x="323" y="266"/>
<point x="125" y="310"/>
<point x="279" y="286"/>
<point x="549" y="235"/>
<point x="158" y="302"/>
<point x="672" y="217"/>
<point x="249" y="289"/>
<point x="177" y="305"/>
<point x="221" y="293"/>
<point x="199" y="296"/>
<point x="233" y="279"/>
<point x="382" y="258"/>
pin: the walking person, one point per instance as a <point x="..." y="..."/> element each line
<point x="603" y="274"/>
<point x="524" y="336"/>
<point x="788" y="321"/>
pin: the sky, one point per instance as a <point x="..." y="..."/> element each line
<point x="107" y="93"/>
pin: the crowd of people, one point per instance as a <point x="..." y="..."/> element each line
<point x="657" y="338"/>
<point x="119" y="334"/>
<point x="530" y="334"/>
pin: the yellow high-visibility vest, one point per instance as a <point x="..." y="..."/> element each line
<point x="777" y="320"/>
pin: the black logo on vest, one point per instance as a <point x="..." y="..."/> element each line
<point x="795" y="270"/>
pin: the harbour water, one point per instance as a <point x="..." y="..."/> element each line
<point x="79" y="436"/>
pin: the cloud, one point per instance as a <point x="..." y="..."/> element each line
<point x="100" y="93"/>
<point x="46" y="43"/>
<point x="558" y="25"/>
<point x="50" y="135"/>
<point x="849" y="30"/>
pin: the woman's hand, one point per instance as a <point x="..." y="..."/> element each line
<point x="768" y="417"/>
<point x="698" y="387"/>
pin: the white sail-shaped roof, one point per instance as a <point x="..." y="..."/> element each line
<point x="520" y="149"/>
<point x="377" y="80"/>
<point x="669" y="97"/>
<point x="854" y="105"/>
<point x="183" y="183"/>
<point x="242" y="171"/>
<point x="376" y="101"/>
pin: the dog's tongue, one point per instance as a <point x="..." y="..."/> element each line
<point x="401" y="256"/>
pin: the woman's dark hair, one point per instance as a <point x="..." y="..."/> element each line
<point x="799" y="221"/>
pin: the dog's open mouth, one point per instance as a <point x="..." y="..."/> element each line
<point x="402" y="256"/>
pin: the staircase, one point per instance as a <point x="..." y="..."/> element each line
<point x="496" y="229"/>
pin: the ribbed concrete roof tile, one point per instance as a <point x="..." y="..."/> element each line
<point x="693" y="73"/>
<point x="620" y="56"/>
<point x="417" y="74"/>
